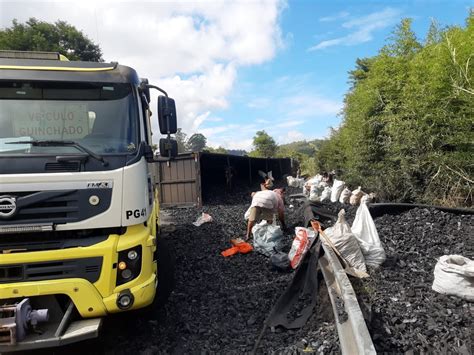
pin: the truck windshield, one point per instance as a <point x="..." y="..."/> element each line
<point x="101" y="117"/>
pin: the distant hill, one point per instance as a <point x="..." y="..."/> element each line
<point x="239" y="152"/>
<point x="308" y="148"/>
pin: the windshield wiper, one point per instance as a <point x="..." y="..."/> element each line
<point x="59" y="143"/>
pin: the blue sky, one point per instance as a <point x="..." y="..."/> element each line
<point x="298" y="94"/>
<point x="236" y="67"/>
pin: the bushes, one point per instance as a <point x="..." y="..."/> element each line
<point x="408" y="119"/>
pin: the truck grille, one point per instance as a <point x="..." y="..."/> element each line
<point x="87" y="268"/>
<point x="56" y="209"/>
<point x="63" y="167"/>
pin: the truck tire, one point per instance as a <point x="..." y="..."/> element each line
<point x="166" y="267"/>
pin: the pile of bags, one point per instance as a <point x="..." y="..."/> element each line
<point x="318" y="190"/>
<point x="295" y="182"/>
<point x="359" y="245"/>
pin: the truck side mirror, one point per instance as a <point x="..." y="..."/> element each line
<point x="167" y="115"/>
<point x="168" y="148"/>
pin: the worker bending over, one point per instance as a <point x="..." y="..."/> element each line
<point x="264" y="205"/>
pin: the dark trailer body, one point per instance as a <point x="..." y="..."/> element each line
<point x="192" y="178"/>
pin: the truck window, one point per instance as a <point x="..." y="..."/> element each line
<point x="103" y="117"/>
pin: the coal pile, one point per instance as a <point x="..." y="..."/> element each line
<point x="404" y="314"/>
<point x="219" y="304"/>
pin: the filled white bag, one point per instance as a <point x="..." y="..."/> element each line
<point x="454" y="275"/>
<point x="346" y="243"/>
<point x="314" y="180"/>
<point x="267" y="238"/>
<point x="300" y="182"/>
<point x="336" y="190"/>
<point x="290" y="180"/>
<point x="356" y="196"/>
<point x="366" y="233"/>
<point x="315" y="192"/>
<point x="326" y="194"/>
<point x="345" y="196"/>
<point x="308" y="185"/>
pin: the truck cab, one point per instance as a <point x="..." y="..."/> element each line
<point x="78" y="206"/>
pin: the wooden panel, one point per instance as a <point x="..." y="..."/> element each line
<point x="178" y="185"/>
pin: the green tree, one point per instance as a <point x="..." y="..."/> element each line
<point x="181" y="140"/>
<point x="197" y="142"/>
<point x="264" y="145"/>
<point x="407" y="120"/>
<point x="35" y="35"/>
<point x="219" y="150"/>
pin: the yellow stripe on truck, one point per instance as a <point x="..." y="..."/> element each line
<point x="18" y="67"/>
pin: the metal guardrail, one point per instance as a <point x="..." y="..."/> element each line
<point x="354" y="337"/>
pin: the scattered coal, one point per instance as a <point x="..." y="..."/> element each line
<point x="405" y="314"/>
<point x="220" y="304"/>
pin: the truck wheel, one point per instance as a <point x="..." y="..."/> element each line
<point x="166" y="266"/>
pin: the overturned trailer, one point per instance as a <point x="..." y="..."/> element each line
<point x="191" y="178"/>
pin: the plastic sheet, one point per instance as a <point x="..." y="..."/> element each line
<point x="204" y="218"/>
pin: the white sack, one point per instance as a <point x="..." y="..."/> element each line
<point x="267" y="238"/>
<point x="314" y="180"/>
<point x="315" y="192"/>
<point x="454" y="275"/>
<point x="295" y="182"/>
<point x="356" y="196"/>
<point x="290" y="180"/>
<point x="308" y="185"/>
<point x="336" y="190"/>
<point x="366" y="233"/>
<point x="326" y="194"/>
<point x="346" y="243"/>
<point x="298" y="182"/>
<point x="345" y="196"/>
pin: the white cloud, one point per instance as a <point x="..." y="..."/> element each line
<point x="338" y="16"/>
<point x="312" y="105"/>
<point x="290" y="123"/>
<point x="191" y="49"/>
<point x="363" y="29"/>
<point x="259" y="102"/>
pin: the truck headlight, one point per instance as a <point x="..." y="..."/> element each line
<point x="129" y="264"/>
<point x="132" y="254"/>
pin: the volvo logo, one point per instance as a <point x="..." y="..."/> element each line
<point x="7" y="206"/>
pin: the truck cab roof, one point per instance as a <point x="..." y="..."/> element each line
<point x="68" y="71"/>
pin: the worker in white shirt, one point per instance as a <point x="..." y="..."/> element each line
<point x="264" y="205"/>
